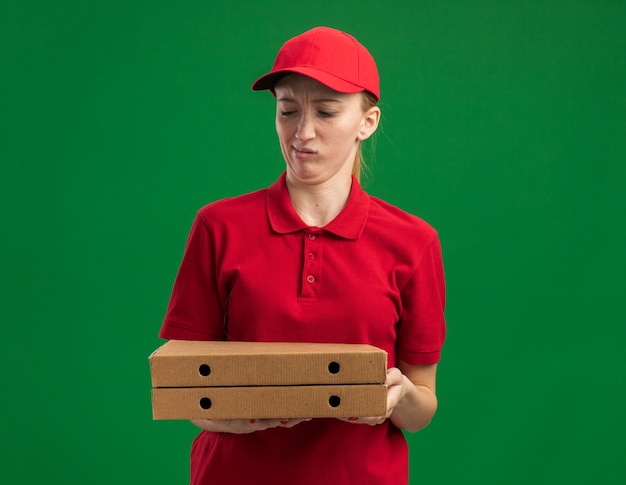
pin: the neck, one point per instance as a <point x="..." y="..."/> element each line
<point x="318" y="205"/>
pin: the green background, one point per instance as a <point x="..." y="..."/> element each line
<point x="504" y="127"/>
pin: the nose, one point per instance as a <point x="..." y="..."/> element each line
<point x="306" y="128"/>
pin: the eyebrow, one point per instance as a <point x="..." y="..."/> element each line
<point x="317" y="100"/>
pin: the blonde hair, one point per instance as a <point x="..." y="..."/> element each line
<point x="359" y="165"/>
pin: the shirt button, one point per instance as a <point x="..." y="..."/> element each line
<point x="311" y="255"/>
<point x="311" y="236"/>
<point x="310" y="278"/>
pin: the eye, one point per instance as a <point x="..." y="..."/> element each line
<point x="287" y="113"/>
<point x="326" y="114"/>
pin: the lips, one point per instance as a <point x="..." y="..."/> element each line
<point x="302" y="152"/>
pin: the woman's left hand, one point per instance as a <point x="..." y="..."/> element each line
<point x="411" y="398"/>
<point x="397" y="385"/>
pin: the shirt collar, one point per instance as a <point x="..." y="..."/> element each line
<point x="349" y="224"/>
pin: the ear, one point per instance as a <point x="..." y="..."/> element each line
<point x="369" y="123"/>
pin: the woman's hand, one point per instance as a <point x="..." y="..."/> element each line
<point x="397" y="388"/>
<point x="411" y="399"/>
<point x="243" y="426"/>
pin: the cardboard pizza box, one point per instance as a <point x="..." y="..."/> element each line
<point x="180" y="363"/>
<point x="259" y="402"/>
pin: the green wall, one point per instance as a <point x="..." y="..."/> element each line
<point x="504" y="126"/>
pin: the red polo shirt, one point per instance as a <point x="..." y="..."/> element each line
<point x="254" y="271"/>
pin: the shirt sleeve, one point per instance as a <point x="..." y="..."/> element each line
<point x="195" y="310"/>
<point x="422" y="327"/>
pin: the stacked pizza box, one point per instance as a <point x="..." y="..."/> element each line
<point x="245" y="380"/>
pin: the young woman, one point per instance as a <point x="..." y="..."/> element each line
<point x="313" y="258"/>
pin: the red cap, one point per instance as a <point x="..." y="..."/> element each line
<point x="329" y="56"/>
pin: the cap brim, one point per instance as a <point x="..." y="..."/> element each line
<point x="269" y="80"/>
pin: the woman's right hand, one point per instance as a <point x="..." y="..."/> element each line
<point x="243" y="426"/>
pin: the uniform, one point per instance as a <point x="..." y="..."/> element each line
<point x="254" y="271"/>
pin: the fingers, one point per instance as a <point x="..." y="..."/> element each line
<point x="261" y="424"/>
<point x="396" y="388"/>
<point x="394" y="377"/>
<point x="290" y="423"/>
<point x="371" y="420"/>
<point x="243" y="426"/>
